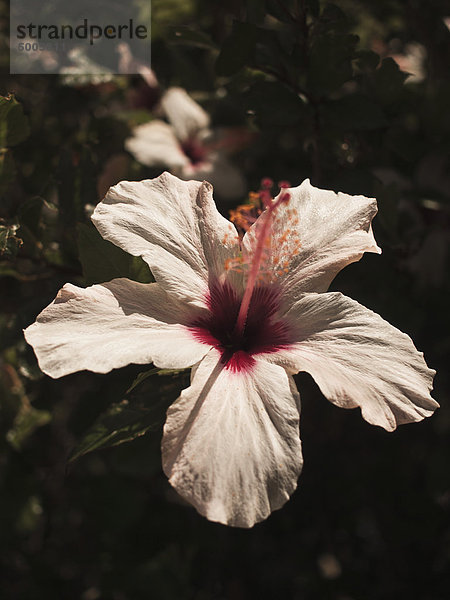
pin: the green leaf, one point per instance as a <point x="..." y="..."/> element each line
<point x="76" y="185"/>
<point x="256" y="11"/>
<point x="9" y="242"/>
<point x="131" y="418"/>
<point x="134" y="117"/>
<point x="10" y="388"/>
<point x="388" y="81"/>
<point x="387" y="196"/>
<point x="29" y="214"/>
<point x="190" y="37"/>
<point x="367" y="59"/>
<point x="404" y="143"/>
<point x="313" y="7"/>
<point x="135" y="416"/>
<point x="7" y="170"/>
<point x="237" y="50"/>
<point x="87" y="173"/>
<point x="273" y="49"/>
<point x="27" y="421"/>
<point x="70" y="203"/>
<point x="283" y="11"/>
<point x="164" y="13"/>
<point x="7" y="270"/>
<point x="330" y="64"/>
<point x="142" y="377"/>
<point x="274" y="104"/>
<point x="333" y="17"/>
<point x="14" y="126"/>
<point x="102" y="261"/>
<point x="353" y="112"/>
<point x="154" y="371"/>
<point x="122" y="422"/>
<point x="18" y="418"/>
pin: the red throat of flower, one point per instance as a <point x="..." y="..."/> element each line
<point x="263" y="333"/>
<point x="194" y="150"/>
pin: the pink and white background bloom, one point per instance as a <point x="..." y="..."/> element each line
<point x="246" y="315"/>
<point x="186" y="146"/>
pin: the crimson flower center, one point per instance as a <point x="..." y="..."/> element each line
<point x="194" y="150"/>
<point x="264" y="331"/>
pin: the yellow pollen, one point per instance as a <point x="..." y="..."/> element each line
<point x="271" y="228"/>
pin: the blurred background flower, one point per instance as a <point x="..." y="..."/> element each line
<point x="186" y="146"/>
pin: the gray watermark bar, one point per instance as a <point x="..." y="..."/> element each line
<point x="86" y="37"/>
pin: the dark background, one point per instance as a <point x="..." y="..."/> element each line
<point x="370" y="519"/>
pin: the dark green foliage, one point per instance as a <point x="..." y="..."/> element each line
<point x="102" y="261"/>
<point x="133" y="417"/>
<point x="330" y="62"/>
<point x="9" y="242"/>
<point x="269" y="102"/>
<point x="388" y="81"/>
<point x="237" y="50"/>
<point x="353" y="112"/>
<point x="14" y="127"/>
<point x="320" y="91"/>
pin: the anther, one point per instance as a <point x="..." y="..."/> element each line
<point x="266" y="183"/>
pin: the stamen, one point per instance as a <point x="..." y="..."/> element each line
<point x="246" y="214"/>
<point x="235" y="264"/>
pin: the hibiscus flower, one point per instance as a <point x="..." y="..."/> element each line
<point x="246" y="314"/>
<point x="186" y="146"/>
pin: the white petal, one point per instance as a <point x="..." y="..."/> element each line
<point x="231" y="444"/>
<point x="183" y="113"/>
<point x="358" y="359"/>
<point x="175" y="226"/>
<point x="226" y="179"/>
<point x="155" y="144"/>
<point x="112" y="325"/>
<point x="333" y="230"/>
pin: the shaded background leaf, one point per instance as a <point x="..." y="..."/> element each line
<point x="102" y="261"/>
<point x="14" y="127"/>
<point x="9" y="242"/>
<point x="142" y="412"/>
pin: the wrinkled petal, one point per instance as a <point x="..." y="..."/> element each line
<point x="112" y="325"/>
<point x="226" y="179"/>
<point x="175" y="226"/>
<point x="155" y="144"/>
<point x="183" y="113"/>
<point x="231" y="443"/>
<point x="316" y="235"/>
<point x="358" y="359"/>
